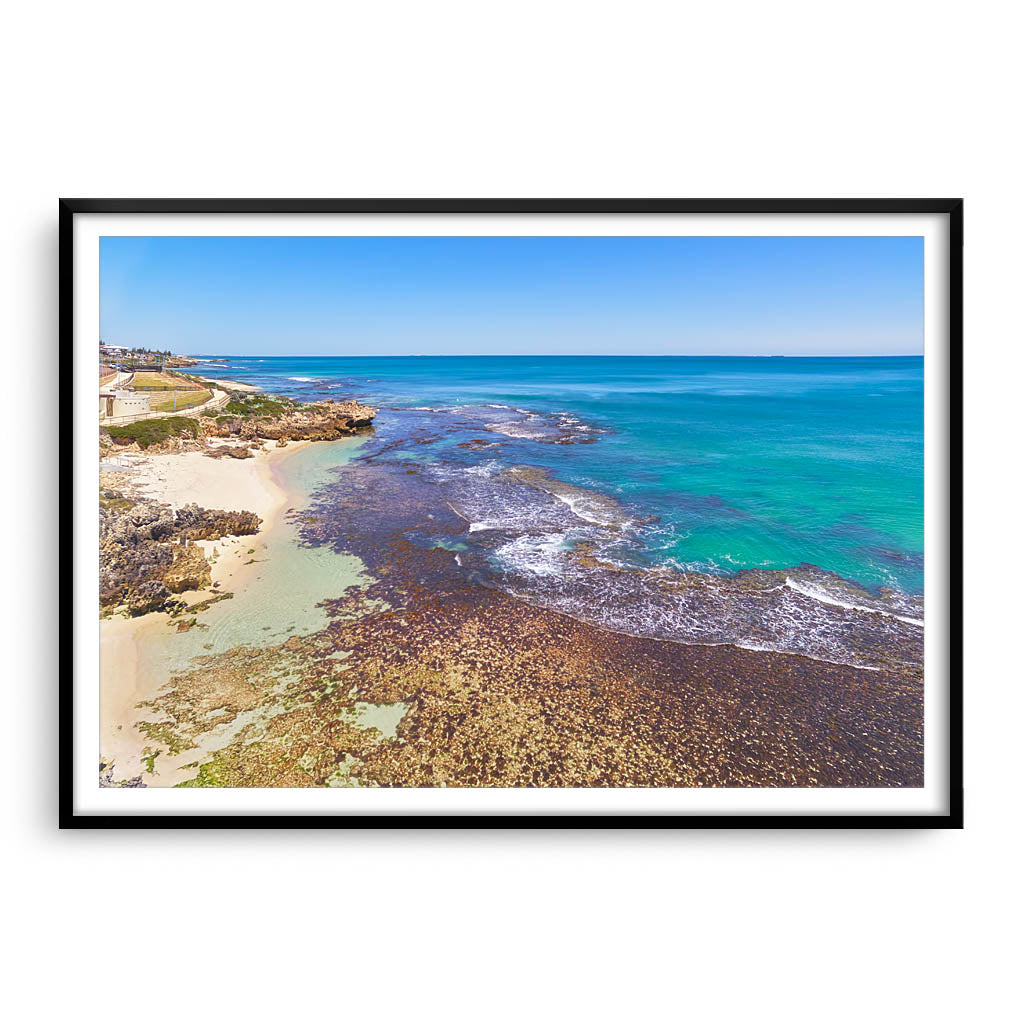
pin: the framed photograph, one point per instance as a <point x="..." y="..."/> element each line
<point x="507" y="512"/>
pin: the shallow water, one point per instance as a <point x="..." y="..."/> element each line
<point x="283" y="587"/>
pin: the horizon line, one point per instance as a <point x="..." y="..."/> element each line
<point x="562" y="355"/>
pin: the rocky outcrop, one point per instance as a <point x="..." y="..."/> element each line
<point x="149" y="596"/>
<point x="316" y="421"/>
<point x="189" y="571"/>
<point x="145" y="554"/>
<point x="194" y="523"/>
<point x="168" y="446"/>
<point x="248" y="418"/>
<point x="132" y="548"/>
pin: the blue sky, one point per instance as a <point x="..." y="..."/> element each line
<point x="511" y="295"/>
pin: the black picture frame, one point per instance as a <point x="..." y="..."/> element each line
<point x="950" y="208"/>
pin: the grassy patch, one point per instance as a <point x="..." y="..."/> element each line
<point x="156" y="381"/>
<point x="147" y="432"/>
<point x="165" y="401"/>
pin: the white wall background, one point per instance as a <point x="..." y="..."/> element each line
<point x="525" y="99"/>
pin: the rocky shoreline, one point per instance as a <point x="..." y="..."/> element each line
<point x="147" y="550"/>
<point x="240" y="426"/>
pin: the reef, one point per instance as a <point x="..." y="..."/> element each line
<point x="494" y="692"/>
<point x="483" y="689"/>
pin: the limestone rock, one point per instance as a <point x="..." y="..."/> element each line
<point x="147" y="597"/>
<point x="137" y="544"/>
<point x="314" y="421"/>
<point x="189" y="571"/>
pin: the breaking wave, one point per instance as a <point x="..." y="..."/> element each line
<point x="579" y="552"/>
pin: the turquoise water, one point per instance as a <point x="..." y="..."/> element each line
<point x="771" y="503"/>
<point x="747" y="463"/>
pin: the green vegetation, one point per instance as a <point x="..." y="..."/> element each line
<point x="163" y="733"/>
<point x="147" y="432"/>
<point x="210" y="775"/>
<point x="117" y="504"/>
<point x="259" y="405"/>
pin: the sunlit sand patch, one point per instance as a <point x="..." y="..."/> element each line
<point x="383" y="717"/>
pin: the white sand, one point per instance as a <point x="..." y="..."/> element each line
<point x="232" y="484"/>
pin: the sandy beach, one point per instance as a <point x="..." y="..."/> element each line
<point x="133" y="651"/>
<point x="233" y="484"/>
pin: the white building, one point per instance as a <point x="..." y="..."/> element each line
<point x="120" y="402"/>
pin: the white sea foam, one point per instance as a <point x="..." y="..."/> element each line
<point x="820" y="594"/>
<point x="525" y="524"/>
<point x="586" y="509"/>
<point x="528" y="430"/>
<point x="538" y="555"/>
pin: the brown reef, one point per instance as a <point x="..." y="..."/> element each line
<point x="500" y="693"/>
<point x="497" y="692"/>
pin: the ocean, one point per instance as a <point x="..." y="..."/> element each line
<point x="774" y="503"/>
